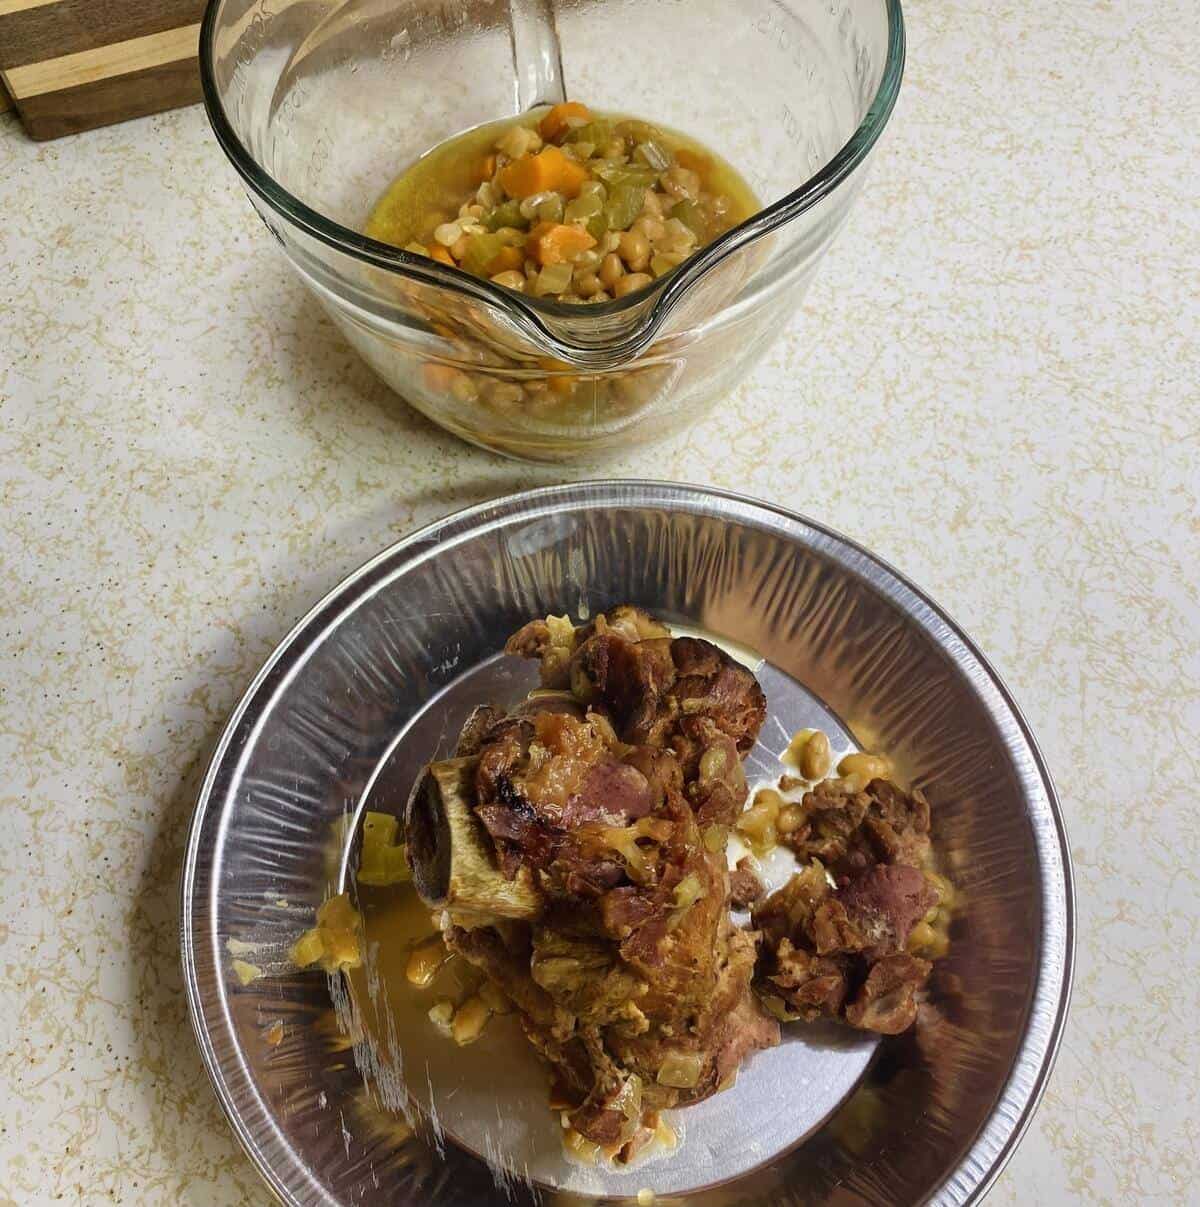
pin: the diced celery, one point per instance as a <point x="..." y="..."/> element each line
<point x="652" y="155"/>
<point x="551" y="209"/>
<point x="553" y="279"/>
<point x="614" y="174"/>
<point x="596" y="132"/>
<point x="636" y="131"/>
<point x="380" y="829"/>
<point x="583" y="208"/>
<point x="597" y="226"/>
<point x="624" y="204"/>
<point x="691" y="215"/>
<point x="508" y="214"/>
<point x="381" y="866"/>
<point x="482" y="250"/>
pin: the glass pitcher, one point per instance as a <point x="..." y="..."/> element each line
<point x="320" y="104"/>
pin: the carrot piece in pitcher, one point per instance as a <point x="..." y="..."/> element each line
<point x="547" y="171"/>
<point x="552" y="242"/>
<point x="554" y="125"/>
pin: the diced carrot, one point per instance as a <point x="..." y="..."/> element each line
<point x="548" y="170"/>
<point x="552" y="242"/>
<point x="487" y="169"/>
<point x="571" y="176"/>
<point x="700" y="164"/>
<point x="525" y="176"/>
<point x="438" y="377"/>
<point x="441" y="254"/>
<point x="507" y="259"/>
<point x="554" y="125"/>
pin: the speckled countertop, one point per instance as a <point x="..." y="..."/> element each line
<point x="1004" y="342"/>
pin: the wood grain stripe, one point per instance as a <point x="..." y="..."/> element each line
<point x="136" y="94"/>
<point x="105" y="62"/>
<point x="32" y="31"/>
<point x="20" y="6"/>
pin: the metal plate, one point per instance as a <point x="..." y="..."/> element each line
<point x="382" y="670"/>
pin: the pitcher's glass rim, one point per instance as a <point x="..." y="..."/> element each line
<point x="665" y="292"/>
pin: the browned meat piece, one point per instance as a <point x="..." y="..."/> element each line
<point x="743" y="1030"/>
<point x="745" y="888"/>
<point x="602" y="1122"/>
<point x="612" y="1112"/>
<point x="507" y="963"/>
<point x="791" y="907"/>
<point x="739" y="1025"/>
<point x="683" y="1064"/>
<point x="661" y="770"/>
<point x="584" y="976"/>
<point x="885" y="903"/>
<point x="612" y="792"/>
<point x="541" y="776"/>
<point x="903" y="817"/>
<point x="627" y="909"/>
<point x="551" y="642"/>
<point x="678" y="950"/>
<point x="810" y="986"/>
<point x="903" y="810"/>
<point x="632" y="982"/>
<point x="831" y="929"/>
<point x="719" y="790"/>
<point x="826" y="946"/>
<point x="712" y="685"/>
<point x="532" y="640"/>
<point x="626" y="620"/>
<point x="886" y="1001"/>
<point x="851" y="831"/>
<point x="832" y="819"/>
<point x="651" y="683"/>
<point x="552" y="1030"/>
<point x="688" y="694"/>
<point x="682" y="694"/>
<point x="631" y="679"/>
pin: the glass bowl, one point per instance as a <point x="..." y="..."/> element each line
<point x="319" y="104"/>
<point x="374" y="681"/>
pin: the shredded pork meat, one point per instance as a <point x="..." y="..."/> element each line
<point x="614" y="788"/>
<point x="834" y="939"/>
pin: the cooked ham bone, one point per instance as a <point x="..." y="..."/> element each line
<point x="450" y="855"/>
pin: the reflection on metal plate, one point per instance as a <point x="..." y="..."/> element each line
<point x="379" y="675"/>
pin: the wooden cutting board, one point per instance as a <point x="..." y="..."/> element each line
<point x="71" y="65"/>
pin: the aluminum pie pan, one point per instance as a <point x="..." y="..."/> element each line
<point x="861" y="645"/>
